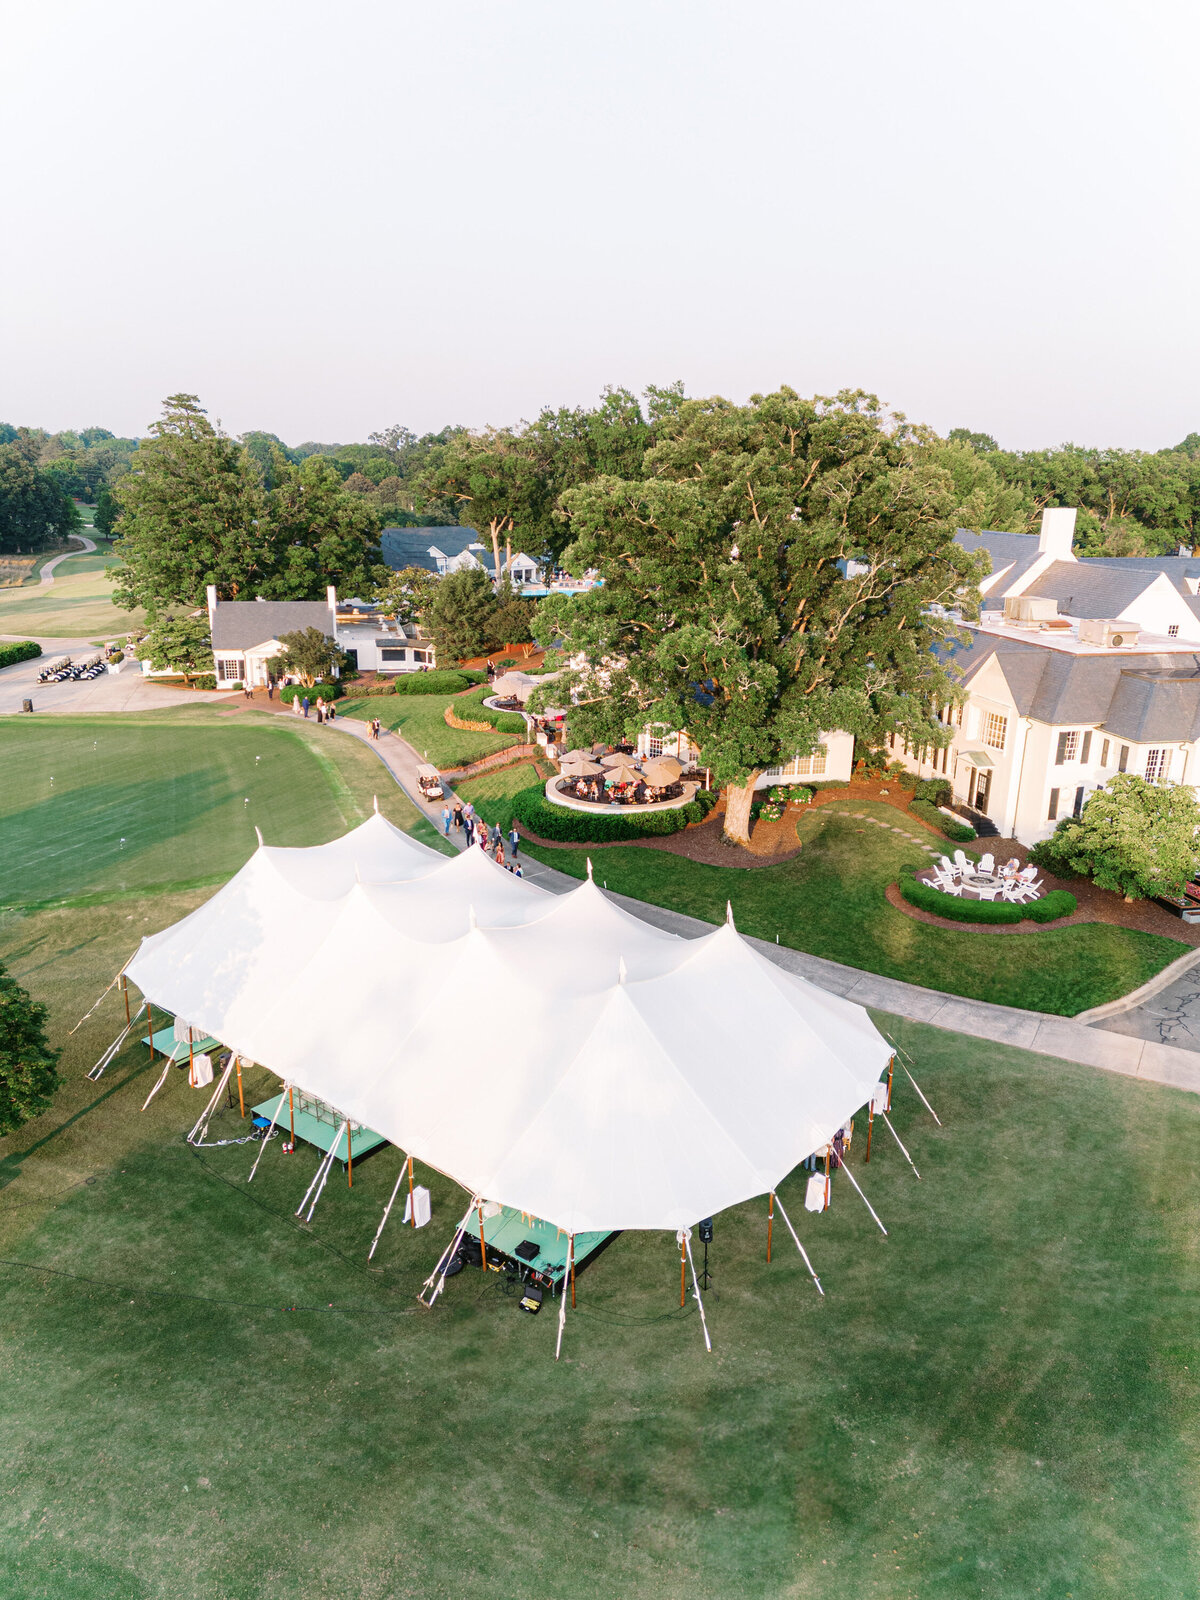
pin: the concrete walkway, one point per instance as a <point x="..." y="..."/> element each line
<point x="47" y="576"/>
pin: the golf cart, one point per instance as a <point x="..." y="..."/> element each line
<point x="429" y="780"/>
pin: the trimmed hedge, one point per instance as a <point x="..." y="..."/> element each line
<point x="297" y="691"/>
<point x="928" y="812"/>
<point x="207" y="680"/>
<point x="431" y="683"/>
<point x="502" y="721"/>
<point x="22" y="650"/>
<point x="1058" y="903"/>
<point x="531" y="807"/>
<point x="937" y="790"/>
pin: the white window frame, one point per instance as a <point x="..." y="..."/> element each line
<point x="809" y="766"/>
<point x="229" y="669"/>
<point x="995" y="730"/>
<point x="1158" y="765"/>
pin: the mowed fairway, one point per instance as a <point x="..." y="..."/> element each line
<point x="77" y="605"/>
<point x="169" y="799"/>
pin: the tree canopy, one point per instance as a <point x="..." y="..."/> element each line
<point x="774" y="573"/>
<point x="178" y="644"/>
<point x="460" y="616"/>
<point x="34" y="512"/>
<point x="309" y="653"/>
<point x="28" y="1066"/>
<point x="1135" y="838"/>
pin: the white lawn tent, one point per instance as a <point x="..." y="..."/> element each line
<point x="550" y="1052"/>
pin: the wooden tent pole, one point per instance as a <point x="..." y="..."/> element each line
<point x="125" y="992"/>
<point x="682" y="1272"/>
<point x="412" y="1204"/>
<point x="292" y="1116"/>
<point x="870" y="1120"/>
<point x="349" y="1159"/>
<point x="482" y="1242"/>
<point x="572" y="1245"/>
<point x="770" y="1221"/>
<point x="150" y="1020"/>
<point x="891" y="1070"/>
<point x="828" y="1149"/>
<point x="191" y="1061"/>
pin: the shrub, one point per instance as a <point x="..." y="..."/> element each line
<point x="502" y="721"/>
<point x="206" y="680"/>
<point x="926" y="898"/>
<point x="531" y="807"/>
<point x="1058" y="903"/>
<point x="936" y="790"/>
<point x="23" y="650"/>
<point x="387" y="687"/>
<point x="800" y="795"/>
<point x="928" y="812"/>
<point x="444" y="682"/>
<point x="297" y="691"/>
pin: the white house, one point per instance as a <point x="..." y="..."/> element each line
<point x="247" y="633"/>
<point x="833" y="757"/>
<point x="375" y="643"/>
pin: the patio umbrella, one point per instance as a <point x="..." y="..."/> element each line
<point x="662" y="771"/>
<point x="581" y="768"/>
<point x="615" y="758"/>
<point x="623" y="770"/>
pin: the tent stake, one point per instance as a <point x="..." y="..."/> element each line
<point x="770" y="1222"/>
<point x="864" y="1199"/>
<point x="803" y="1252"/>
<point x="685" y="1245"/>
<point x="387" y="1211"/>
<point x="903" y="1151"/>
<point x="267" y="1135"/>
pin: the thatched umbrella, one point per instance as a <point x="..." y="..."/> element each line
<point x="662" y="771"/>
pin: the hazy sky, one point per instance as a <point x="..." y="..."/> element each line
<point x="326" y="218"/>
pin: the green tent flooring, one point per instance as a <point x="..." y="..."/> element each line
<point x="322" y="1134"/>
<point x="508" y="1228"/>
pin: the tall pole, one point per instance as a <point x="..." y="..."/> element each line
<point x="482" y="1242"/>
<point x="191" y="1061"/>
<point x="870" y="1120"/>
<point x="349" y="1160"/>
<point x="292" y="1116"/>
<point x="891" y="1070"/>
<point x="770" y="1222"/>
<point x="571" y="1244"/>
<point x="125" y="992"/>
<point x="412" y="1204"/>
<point x="150" y="1020"/>
<point x="241" y="1096"/>
<point x="682" y="1272"/>
<point x="828" y="1149"/>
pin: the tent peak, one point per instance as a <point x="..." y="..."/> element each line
<point x="591" y="879"/>
<point x="622" y="970"/>
<point x="375" y="802"/>
<point x="729" y="912"/>
<point x="258" y="831"/>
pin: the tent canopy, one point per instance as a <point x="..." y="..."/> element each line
<point x="550" y="1052"/>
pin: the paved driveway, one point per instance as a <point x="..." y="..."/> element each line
<point x="122" y="691"/>
<point x="1170" y="1017"/>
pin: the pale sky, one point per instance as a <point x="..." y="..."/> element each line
<point x="327" y="218"/>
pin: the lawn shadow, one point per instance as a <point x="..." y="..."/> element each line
<point x="10" y="1165"/>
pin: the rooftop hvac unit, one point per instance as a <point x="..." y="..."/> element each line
<point x="1111" y="635"/>
<point x="1029" y="608"/>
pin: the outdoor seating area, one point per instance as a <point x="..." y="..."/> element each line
<point x="984" y="879"/>
<point x="605" y="778"/>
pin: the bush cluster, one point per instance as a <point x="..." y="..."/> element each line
<point x="436" y="682"/>
<point x="946" y="826"/>
<point x="208" y="680"/>
<point x="1058" y="903"/>
<point x="502" y="721"/>
<point x="22" y="650"/>
<point x="326" y="690"/>
<point x="936" y="790"/>
<point x="531" y="807"/>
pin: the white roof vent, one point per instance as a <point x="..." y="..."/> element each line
<point x="1110" y="635"/>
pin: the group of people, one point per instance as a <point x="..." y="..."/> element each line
<point x="490" y="840"/>
<point x="302" y="705"/>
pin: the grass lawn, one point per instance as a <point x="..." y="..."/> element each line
<point x="77" y="605"/>
<point x="105" y="806"/>
<point x="419" y="719"/>
<point x="830" y="901"/>
<point x="206" y="1399"/>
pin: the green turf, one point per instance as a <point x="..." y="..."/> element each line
<point x="173" y="786"/>
<point x="419" y="718"/>
<point x="830" y="901"/>
<point x="205" y="1399"/>
<point x="77" y="605"/>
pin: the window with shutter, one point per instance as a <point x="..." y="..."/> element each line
<point x="1087" y="745"/>
<point x="1052" y="813"/>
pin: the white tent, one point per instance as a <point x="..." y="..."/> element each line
<point x="549" y="1052"/>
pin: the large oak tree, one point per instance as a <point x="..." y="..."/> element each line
<point x="778" y="570"/>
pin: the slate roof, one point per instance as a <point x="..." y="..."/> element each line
<point x="410" y="547"/>
<point x="1090" y="589"/>
<point x="242" y="624"/>
<point x="1143" y="698"/>
<point x="1016" y="550"/>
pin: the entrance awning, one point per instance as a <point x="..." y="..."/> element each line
<point x="978" y="758"/>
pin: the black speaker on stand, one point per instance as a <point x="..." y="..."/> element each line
<point x="704" y="1231"/>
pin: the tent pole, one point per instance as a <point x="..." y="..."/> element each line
<point x="191" y="1061"/>
<point x="482" y="1241"/>
<point x="125" y="992"/>
<point x="201" y="1127"/>
<point x="907" y="1074"/>
<point x="158" y="1085"/>
<point x="292" y="1116"/>
<point x="572" y="1250"/>
<point x="685" y="1246"/>
<point x="891" y="1070"/>
<point x="870" y="1120"/>
<point x="770" y="1222"/>
<point x="241" y="1096"/>
<point x="267" y="1135"/>
<point x="412" y="1204"/>
<point x="437" y="1278"/>
<point x="328" y="1168"/>
<point x="562" y="1295"/>
<point x="828" y="1148"/>
<point x="682" y="1270"/>
<point x="349" y="1159"/>
<point x="150" y="1019"/>
<point x="386" y="1213"/>
<point x="903" y="1151"/>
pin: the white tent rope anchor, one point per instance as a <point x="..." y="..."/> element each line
<point x="863" y="1198"/>
<point x="201" y="1127"/>
<point x="562" y="1295"/>
<point x="323" y="1171"/>
<point x="438" y="1275"/>
<point x="803" y="1252"/>
<point x="903" y="1052"/>
<point x="897" y="1138"/>
<point x="684" y="1237"/>
<point x="110" y="1054"/>
<point x="88" y="1013"/>
<point x="387" y="1209"/>
<point x="267" y="1136"/>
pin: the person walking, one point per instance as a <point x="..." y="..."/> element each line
<point x="375" y="729"/>
<point x="446" y="821"/>
<point x="517" y="869"/>
<point x="330" y="712"/>
<point x="483" y="837"/>
<point x="497" y="836"/>
<point x="469" y="812"/>
<point x="295" y="707"/>
<point x="458" y="818"/>
<point x="305" y="704"/>
<point x="270" y="688"/>
<point x="500" y="853"/>
<point x="514" y="839"/>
